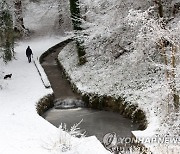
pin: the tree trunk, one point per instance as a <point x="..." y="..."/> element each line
<point x="170" y="74"/>
<point x="6" y="33"/>
<point x="160" y="7"/>
<point x="75" y="14"/>
<point x="76" y="20"/>
<point x="173" y="60"/>
<point x="19" y="23"/>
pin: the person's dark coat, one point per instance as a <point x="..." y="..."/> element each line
<point x="28" y="52"/>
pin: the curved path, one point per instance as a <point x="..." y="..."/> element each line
<point x="95" y="122"/>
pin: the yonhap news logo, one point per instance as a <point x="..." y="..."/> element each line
<point x="113" y="143"/>
<point x="110" y="141"/>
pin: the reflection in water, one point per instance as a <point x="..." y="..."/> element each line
<point x="68" y="103"/>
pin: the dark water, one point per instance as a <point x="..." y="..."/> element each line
<point x="94" y="122"/>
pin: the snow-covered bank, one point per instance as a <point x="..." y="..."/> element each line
<point x="98" y="77"/>
<point x="23" y="131"/>
<point x="128" y="56"/>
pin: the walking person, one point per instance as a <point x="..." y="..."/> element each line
<point x="29" y="53"/>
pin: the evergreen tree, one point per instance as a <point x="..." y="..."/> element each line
<point x="6" y="33"/>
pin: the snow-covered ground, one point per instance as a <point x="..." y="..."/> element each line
<point x="110" y="28"/>
<point x="23" y="131"/>
<point x="138" y="74"/>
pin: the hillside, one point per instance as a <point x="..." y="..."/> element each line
<point x="127" y="58"/>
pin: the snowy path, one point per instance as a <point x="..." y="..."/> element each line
<point x="22" y="130"/>
<point x="18" y="118"/>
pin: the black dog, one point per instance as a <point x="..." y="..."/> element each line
<point x="7" y="76"/>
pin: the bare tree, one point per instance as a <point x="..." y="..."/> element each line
<point x="76" y="20"/>
<point x="168" y="48"/>
<point x="160" y="7"/>
<point x="19" y="22"/>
